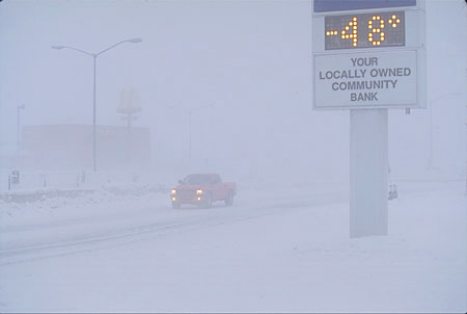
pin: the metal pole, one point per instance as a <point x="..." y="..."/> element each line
<point x="368" y="172"/>
<point x="17" y="127"/>
<point x="128" y="125"/>
<point x="430" y="161"/>
<point x="94" y="163"/>
<point x="190" y="114"/>
<point x="94" y="56"/>
<point x="189" y="137"/>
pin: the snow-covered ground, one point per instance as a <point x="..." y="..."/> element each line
<point x="279" y="249"/>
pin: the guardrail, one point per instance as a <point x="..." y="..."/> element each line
<point x="29" y="186"/>
<point x="33" y="196"/>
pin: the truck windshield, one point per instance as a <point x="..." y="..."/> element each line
<point x="199" y="179"/>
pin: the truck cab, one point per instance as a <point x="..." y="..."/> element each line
<point x="202" y="190"/>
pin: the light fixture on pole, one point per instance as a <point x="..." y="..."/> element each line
<point x="94" y="56"/>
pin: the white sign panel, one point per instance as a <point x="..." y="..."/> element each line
<point x="365" y="80"/>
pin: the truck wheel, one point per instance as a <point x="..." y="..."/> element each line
<point x="229" y="200"/>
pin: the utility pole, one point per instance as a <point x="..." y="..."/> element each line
<point x="18" y="125"/>
<point x="94" y="106"/>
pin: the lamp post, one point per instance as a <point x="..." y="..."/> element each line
<point x="190" y="114"/>
<point x="18" y="124"/>
<point x="94" y="57"/>
<point x="432" y="125"/>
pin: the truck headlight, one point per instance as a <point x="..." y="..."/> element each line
<point x="173" y="192"/>
<point x="199" y="192"/>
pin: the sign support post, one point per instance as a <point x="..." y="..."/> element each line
<point x="368" y="172"/>
<point x="368" y="57"/>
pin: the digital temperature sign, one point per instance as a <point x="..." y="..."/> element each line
<point x="369" y="54"/>
<point x="356" y="31"/>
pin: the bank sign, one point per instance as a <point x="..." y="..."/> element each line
<point x="366" y="79"/>
<point x="368" y="56"/>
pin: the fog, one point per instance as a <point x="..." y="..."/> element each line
<point x="243" y="70"/>
<point x="219" y="87"/>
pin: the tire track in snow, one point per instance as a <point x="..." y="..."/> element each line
<point x="125" y="236"/>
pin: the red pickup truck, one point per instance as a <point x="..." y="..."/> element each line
<point x="202" y="189"/>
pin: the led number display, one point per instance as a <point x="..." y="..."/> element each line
<point x="374" y="30"/>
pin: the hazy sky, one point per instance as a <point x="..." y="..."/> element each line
<point x="242" y="67"/>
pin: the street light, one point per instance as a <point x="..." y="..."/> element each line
<point x="432" y="102"/>
<point x="18" y="124"/>
<point x="190" y="113"/>
<point x="94" y="56"/>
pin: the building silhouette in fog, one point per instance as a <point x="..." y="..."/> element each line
<point x="69" y="147"/>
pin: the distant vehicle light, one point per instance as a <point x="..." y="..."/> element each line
<point x="199" y="192"/>
<point x="173" y="192"/>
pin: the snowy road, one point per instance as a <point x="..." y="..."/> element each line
<point x="276" y="250"/>
<point x="55" y="237"/>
